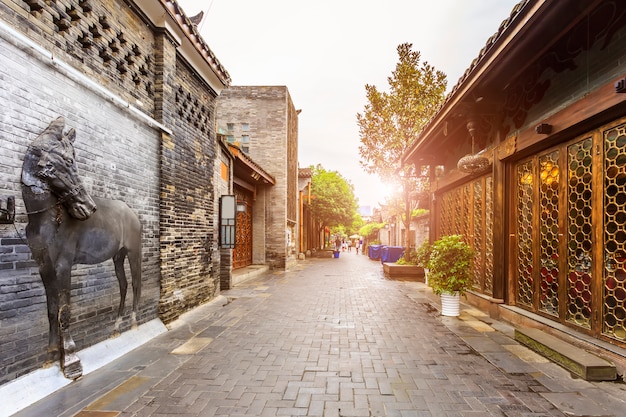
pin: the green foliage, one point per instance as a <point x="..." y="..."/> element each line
<point x="357" y="223"/>
<point x="422" y="254"/>
<point x="371" y="229"/>
<point x="419" y="257"/>
<point x="418" y="212"/>
<point x="407" y="260"/>
<point x="333" y="202"/>
<point x="450" y="265"/>
<point x="392" y="120"/>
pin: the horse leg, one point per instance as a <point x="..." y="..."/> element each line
<point x="134" y="259"/>
<point x="70" y="363"/>
<point x="49" y="279"/>
<point x="52" y="300"/>
<point x="118" y="261"/>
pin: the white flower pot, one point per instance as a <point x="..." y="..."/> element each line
<point x="450" y="304"/>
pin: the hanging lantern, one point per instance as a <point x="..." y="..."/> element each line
<point x="473" y="163"/>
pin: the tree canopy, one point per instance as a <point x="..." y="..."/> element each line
<point x="333" y="202"/>
<point x="392" y="120"/>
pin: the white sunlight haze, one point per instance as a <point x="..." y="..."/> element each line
<point x="326" y="51"/>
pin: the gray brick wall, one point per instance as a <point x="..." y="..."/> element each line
<point x="165" y="175"/>
<point x="117" y="157"/>
<point x="189" y="254"/>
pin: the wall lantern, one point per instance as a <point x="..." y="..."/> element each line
<point x="227" y="221"/>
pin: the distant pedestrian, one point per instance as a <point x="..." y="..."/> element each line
<point x="357" y="245"/>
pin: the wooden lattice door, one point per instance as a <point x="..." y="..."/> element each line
<point x="242" y="255"/>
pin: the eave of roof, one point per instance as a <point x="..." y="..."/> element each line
<point x="169" y="15"/>
<point x="246" y="164"/>
<point x="500" y="48"/>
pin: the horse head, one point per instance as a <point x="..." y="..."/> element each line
<point x="50" y="167"/>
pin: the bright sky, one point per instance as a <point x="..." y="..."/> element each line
<point x="326" y="51"/>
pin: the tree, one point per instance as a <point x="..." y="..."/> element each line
<point x="333" y="203"/>
<point x="392" y="120"/>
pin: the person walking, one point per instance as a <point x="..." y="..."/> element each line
<point x="357" y="245"/>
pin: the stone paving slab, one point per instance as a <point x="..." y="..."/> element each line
<point x="332" y="337"/>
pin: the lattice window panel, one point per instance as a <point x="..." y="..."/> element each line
<point x="458" y="213"/>
<point x="445" y="214"/>
<point x="468" y="210"/>
<point x="478" y="235"/>
<point x="614" y="285"/>
<point x="488" y="286"/>
<point x="579" y="235"/>
<point x="524" y="229"/>
<point x="549" y="233"/>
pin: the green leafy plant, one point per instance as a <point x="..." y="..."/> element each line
<point x="407" y="260"/>
<point x="450" y="265"/>
<point x="422" y="254"/>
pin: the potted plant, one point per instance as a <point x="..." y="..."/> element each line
<point x="449" y="274"/>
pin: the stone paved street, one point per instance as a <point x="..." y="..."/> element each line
<point x="331" y="338"/>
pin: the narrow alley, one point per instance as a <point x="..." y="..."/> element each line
<point x="332" y="337"/>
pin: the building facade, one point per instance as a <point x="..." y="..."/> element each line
<point x="262" y="122"/>
<point x="532" y="140"/>
<point x="139" y="86"/>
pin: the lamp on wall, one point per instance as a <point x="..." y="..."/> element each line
<point x="227" y="221"/>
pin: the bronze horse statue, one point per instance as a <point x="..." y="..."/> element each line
<point x="64" y="229"/>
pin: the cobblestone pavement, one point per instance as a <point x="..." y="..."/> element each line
<point x="332" y="337"/>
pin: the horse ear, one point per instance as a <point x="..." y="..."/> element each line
<point x="71" y="135"/>
<point x="56" y="127"/>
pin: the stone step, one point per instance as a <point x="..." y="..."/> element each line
<point x="576" y="360"/>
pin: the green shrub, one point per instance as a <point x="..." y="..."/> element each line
<point x="449" y="265"/>
<point x="422" y="255"/>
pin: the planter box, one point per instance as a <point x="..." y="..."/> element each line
<point x="404" y="272"/>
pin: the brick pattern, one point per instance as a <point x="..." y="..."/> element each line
<point x="167" y="179"/>
<point x="189" y="255"/>
<point x="104" y="38"/>
<point x="117" y="158"/>
<point x="337" y="339"/>
<point x="223" y="180"/>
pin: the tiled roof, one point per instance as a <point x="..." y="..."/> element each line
<point x="490" y="43"/>
<point x="191" y="30"/>
<point x="305" y="173"/>
<point x="249" y="162"/>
